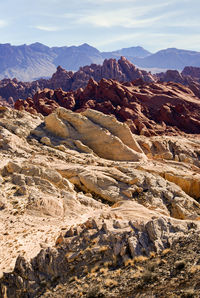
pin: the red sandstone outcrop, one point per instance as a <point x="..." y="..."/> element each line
<point x="148" y="108"/>
<point x="192" y="71"/>
<point x="186" y="78"/>
<point x="173" y="76"/>
<point x="121" y="70"/>
<point x="15" y="90"/>
<point x="63" y="82"/>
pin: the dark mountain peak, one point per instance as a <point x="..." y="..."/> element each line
<point x="137" y="51"/>
<point x="37" y="44"/>
<point x="88" y="47"/>
<point x="122" y="58"/>
<point x="39" y="47"/>
<point x="175" y="50"/>
<point x="85" y="45"/>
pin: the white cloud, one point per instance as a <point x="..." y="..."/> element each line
<point x="187" y="23"/>
<point x="127" y="18"/>
<point x="3" y="23"/>
<point x="110" y="20"/>
<point x="47" y="28"/>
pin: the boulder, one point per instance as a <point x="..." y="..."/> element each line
<point x="104" y="136"/>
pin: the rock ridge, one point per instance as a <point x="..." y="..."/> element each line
<point x="148" y="108"/>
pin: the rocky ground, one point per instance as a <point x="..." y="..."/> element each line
<point x="173" y="273"/>
<point x="87" y="208"/>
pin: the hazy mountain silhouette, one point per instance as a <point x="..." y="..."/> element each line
<point x="29" y="62"/>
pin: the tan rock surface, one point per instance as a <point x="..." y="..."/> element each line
<point x="46" y="188"/>
<point x="102" y="133"/>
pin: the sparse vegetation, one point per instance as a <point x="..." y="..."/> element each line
<point x="147" y="276"/>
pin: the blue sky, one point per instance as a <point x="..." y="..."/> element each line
<point x="105" y="24"/>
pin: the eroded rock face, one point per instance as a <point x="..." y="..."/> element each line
<point x="66" y="206"/>
<point x="103" y="134"/>
<point x="87" y="245"/>
<point x="192" y="71"/>
<point x="121" y="70"/>
<point x="148" y="109"/>
<point x="12" y="89"/>
<point x="189" y="77"/>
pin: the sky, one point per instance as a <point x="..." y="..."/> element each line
<point x="105" y="24"/>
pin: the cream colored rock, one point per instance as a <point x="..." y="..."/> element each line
<point x="189" y="184"/>
<point x="118" y="129"/>
<point x="105" y="140"/>
<point x="181" y="174"/>
<point x="68" y="184"/>
<point x="150" y="190"/>
<point x="82" y="147"/>
<point x="51" y="175"/>
<point x="131" y="210"/>
<point x="47" y="205"/>
<point x="61" y="188"/>
<point x="55" y="125"/>
<point x="171" y="148"/>
<point x="46" y="141"/>
<point x="102" y="185"/>
<point x="12" y="142"/>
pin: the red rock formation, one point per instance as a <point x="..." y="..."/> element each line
<point x="61" y="79"/>
<point x="7" y="103"/>
<point x="174" y="76"/>
<point x="191" y="71"/>
<point x="148" y="108"/>
<point x="121" y="70"/>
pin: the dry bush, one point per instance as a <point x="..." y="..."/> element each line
<point x="110" y="282"/>
<point x="103" y="270"/>
<point x="140" y="259"/>
<point x="129" y="262"/>
<point x="166" y="251"/>
<point x="194" y="269"/>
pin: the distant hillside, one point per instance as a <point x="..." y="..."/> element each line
<point x="127" y="52"/>
<point x="169" y="59"/>
<point x="31" y="62"/>
<point x="26" y="62"/>
<point x="71" y="58"/>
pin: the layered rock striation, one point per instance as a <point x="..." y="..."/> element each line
<point x="70" y="206"/>
<point x="192" y="71"/>
<point x="148" y="108"/>
<point x="96" y="132"/>
<point x="121" y="70"/>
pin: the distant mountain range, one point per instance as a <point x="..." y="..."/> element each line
<point x="30" y="62"/>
